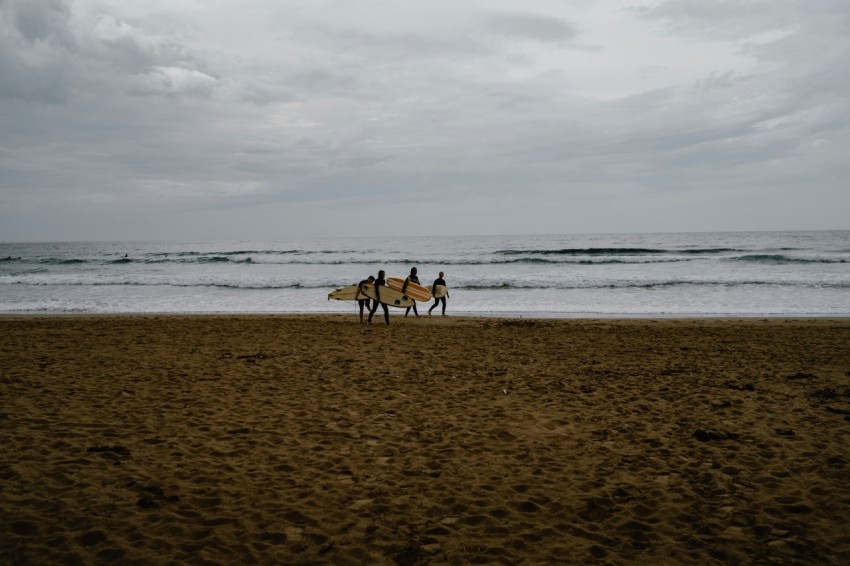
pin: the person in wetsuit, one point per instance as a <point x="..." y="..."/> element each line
<point x="438" y="281"/>
<point x="379" y="282"/>
<point x="365" y="302"/>
<point x="412" y="278"/>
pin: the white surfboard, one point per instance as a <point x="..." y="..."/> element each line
<point x="414" y="290"/>
<point x="349" y="293"/>
<point x="440" y="291"/>
<point x="389" y="296"/>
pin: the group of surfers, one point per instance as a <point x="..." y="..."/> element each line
<point x="381" y="282"/>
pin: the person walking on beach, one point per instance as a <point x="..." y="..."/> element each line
<point x="439" y="281"/>
<point x="379" y="282"/>
<point x="364" y="302"/>
<point x="412" y="278"/>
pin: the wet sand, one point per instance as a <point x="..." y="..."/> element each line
<point x="317" y="440"/>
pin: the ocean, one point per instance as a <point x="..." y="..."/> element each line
<point x="571" y="275"/>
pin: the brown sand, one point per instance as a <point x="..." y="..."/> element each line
<point x="313" y="439"/>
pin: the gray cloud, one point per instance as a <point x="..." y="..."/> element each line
<point x="34" y="49"/>
<point x="530" y="26"/>
<point x="468" y="118"/>
<point x="39" y="20"/>
<point x="727" y="20"/>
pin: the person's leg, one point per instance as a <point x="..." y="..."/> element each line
<point x="443" y="299"/>
<point x="415" y="312"/>
<point x="436" y="302"/>
<point x="386" y="313"/>
<point x="372" y="312"/>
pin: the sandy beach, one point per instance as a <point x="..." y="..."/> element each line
<point x="313" y="439"/>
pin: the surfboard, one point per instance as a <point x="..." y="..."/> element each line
<point x="414" y="290"/>
<point x="440" y="291"/>
<point x="346" y="294"/>
<point x="389" y="296"/>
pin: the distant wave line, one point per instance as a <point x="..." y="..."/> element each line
<point x="376" y="262"/>
<point x="251" y="252"/>
<point x="778" y="258"/>
<point x="245" y="286"/>
<point x="468" y="287"/>
<point x="654" y="284"/>
<point x="569" y="260"/>
<point x="616" y="251"/>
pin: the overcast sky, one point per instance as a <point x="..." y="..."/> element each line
<point x="272" y="119"/>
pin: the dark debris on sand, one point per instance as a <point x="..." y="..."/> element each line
<point x="707" y="435"/>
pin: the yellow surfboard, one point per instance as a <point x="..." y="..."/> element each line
<point x="414" y="290"/>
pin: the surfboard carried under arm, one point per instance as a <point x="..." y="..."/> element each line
<point x="414" y="290"/>
<point x="389" y="296"/>
<point x="349" y="293"/>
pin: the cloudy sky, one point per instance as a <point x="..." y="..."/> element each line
<point x="280" y="118"/>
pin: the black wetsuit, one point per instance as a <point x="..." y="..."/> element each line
<point x="438" y="281"/>
<point x="410" y="279"/>
<point x="379" y="282"/>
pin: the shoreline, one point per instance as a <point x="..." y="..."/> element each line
<point x="290" y="438"/>
<point x="456" y="315"/>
